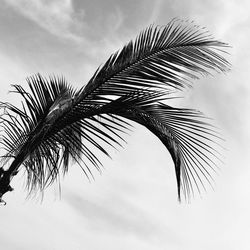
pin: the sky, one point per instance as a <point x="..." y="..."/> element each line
<point x="133" y="203"/>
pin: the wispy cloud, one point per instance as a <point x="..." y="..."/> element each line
<point x="56" y="16"/>
<point x="155" y="11"/>
<point x="116" y="19"/>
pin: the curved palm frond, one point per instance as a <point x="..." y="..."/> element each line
<point x="193" y="143"/>
<point x="170" y="56"/>
<point x="57" y="123"/>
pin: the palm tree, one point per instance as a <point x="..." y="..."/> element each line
<point x="58" y="124"/>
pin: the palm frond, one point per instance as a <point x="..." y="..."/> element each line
<point x="161" y="57"/>
<point x="44" y="141"/>
<point x="58" y="124"/>
<point x="192" y="142"/>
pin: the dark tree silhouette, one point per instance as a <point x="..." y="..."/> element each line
<point x="58" y="125"/>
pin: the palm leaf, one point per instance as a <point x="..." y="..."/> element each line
<point x="160" y="57"/>
<point x="57" y="124"/>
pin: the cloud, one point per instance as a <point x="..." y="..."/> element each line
<point x="57" y="16"/>
<point x="155" y="11"/>
<point x="115" y="20"/>
<point x="119" y="219"/>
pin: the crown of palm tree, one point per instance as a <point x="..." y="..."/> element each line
<point x="57" y="123"/>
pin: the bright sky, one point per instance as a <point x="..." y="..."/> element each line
<point x="133" y="205"/>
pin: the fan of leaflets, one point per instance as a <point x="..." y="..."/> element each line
<point x="57" y="123"/>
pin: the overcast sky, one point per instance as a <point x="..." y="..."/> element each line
<point x="133" y="204"/>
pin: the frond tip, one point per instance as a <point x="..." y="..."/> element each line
<point x="58" y="124"/>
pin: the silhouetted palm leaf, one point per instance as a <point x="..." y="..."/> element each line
<point x="57" y="123"/>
